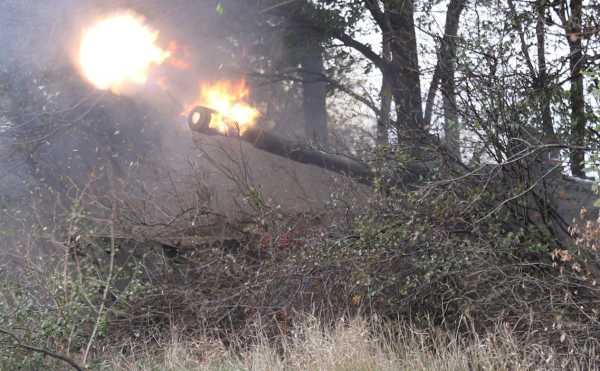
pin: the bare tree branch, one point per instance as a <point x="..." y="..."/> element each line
<point x="46" y="352"/>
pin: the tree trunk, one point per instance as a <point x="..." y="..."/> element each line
<point x="314" y="95"/>
<point x="383" y="124"/>
<point x="549" y="136"/>
<point x="406" y="84"/>
<point x="576" y="57"/>
<point x="447" y="76"/>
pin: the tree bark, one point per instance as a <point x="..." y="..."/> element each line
<point x="576" y="57"/>
<point x="406" y="82"/>
<point x="314" y="95"/>
<point x="572" y="22"/>
<point x="384" y="121"/>
<point x="549" y="136"/>
<point x="447" y="77"/>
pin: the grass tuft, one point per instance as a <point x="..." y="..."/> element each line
<point x="354" y="345"/>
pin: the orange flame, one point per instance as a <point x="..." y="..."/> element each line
<point x="118" y="51"/>
<point x="229" y="100"/>
<point x="178" y="57"/>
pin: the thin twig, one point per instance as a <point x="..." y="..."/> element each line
<point x="109" y="279"/>
<point x="494" y="210"/>
<point x="46" y="352"/>
<point x="284" y="3"/>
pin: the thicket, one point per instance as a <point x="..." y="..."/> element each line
<point x="433" y="256"/>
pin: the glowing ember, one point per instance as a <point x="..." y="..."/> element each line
<point x="229" y="100"/>
<point x="119" y="50"/>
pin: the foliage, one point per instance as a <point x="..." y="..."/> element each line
<point x="422" y="256"/>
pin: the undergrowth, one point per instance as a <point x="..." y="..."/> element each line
<point x="352" y="345"/>
<point x="486" y="295"/>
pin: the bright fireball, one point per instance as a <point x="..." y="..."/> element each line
<point x="118" y="51"/>
<point x="229" y="100"/>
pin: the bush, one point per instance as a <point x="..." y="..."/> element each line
<point x="418" y="256"/>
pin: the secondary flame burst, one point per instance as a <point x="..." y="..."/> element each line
<point x="119" y="50"/>
<point x="229" y="100"/>
<point x="177" y="57"/>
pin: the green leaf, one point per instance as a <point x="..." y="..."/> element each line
<point x="597" y="203"/>
<point x="220" y="9"/>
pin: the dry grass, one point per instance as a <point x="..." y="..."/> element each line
<point x="353" y="345"/>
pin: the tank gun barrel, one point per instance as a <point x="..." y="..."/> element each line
<point x="199" y="121"/>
